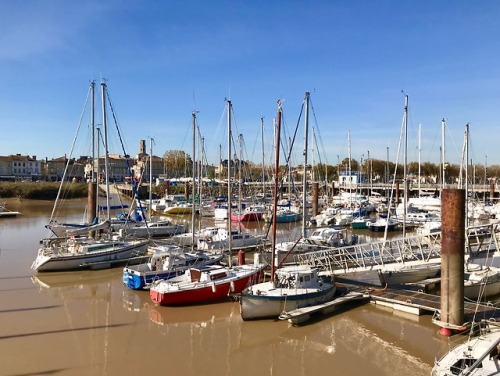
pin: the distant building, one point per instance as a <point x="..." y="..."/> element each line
<point x="141" y="168"/>
<point x="121" y="168"/>
<point x="354" y="178"/>
<point x="54" y="169"/>
<point x="20" y="167"/>
<point x="118" y="170"/>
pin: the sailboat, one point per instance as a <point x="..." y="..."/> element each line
<point x="477" y="356"/>
<point x="148" y="226"/>
<point x="4" y="212"/>
<point x="167" y="261"/>
<point x="213" y="282"/>
<point x="409" y="270"/>
<point x="95" y="249"/>
<point x="290" y="287"/>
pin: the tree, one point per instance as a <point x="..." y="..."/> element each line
<point x="177" y="163"/>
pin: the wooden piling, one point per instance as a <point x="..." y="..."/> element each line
<point x="92" y="201"/>
<point x="452" y="257"/>
<point x="315" y="189"/>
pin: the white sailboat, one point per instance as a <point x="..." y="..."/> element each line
<point x="409" y="270"/>
<point x="481" y="282"/>
<point x="478" y="356"/>
<point x="290" y="287"/>
<point x="97" y="249"/>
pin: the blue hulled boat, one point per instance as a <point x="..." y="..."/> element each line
<point x="166" y="261"/>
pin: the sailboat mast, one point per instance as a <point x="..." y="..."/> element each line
<point x="263" y="157"/>
<point x="443" y="153"/>
<point x="203" y="171"/>
<point x="229" y="239"/>
<point x="405" y="180"/>
<point x="220" y="163"/>
<point x="350" y="170"/>
<point x="106" y="153"/>
<point x="466" y="175"/>
<point x="240" y="182"/>
<point x="194" y="176"/>
<point x="304" y="177"/>
<point x="419" y="153"/>
<point x="151" y="140"/>
<point x="276" y="182"/>
<point x="92" y="185"/>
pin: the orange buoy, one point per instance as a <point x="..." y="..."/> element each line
<point x="445" y="332"/>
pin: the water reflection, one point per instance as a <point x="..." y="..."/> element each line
<point x="88" y="322"/>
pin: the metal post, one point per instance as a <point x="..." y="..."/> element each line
<point x="452" y="257"/>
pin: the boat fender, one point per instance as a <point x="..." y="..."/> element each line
<point x="214" y="288"/>
<point x="231" y="286"/>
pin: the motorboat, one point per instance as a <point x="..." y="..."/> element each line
<point x="293" y="287"/>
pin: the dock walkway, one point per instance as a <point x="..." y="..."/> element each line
<point x="414" y="302"/>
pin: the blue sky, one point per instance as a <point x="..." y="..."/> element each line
<point x="164" y="59"/>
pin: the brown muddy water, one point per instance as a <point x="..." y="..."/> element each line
<point x="89" y="323"/>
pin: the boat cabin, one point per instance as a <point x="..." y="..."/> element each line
<point x="206" y="274"/>
<point x="301" y="277"/>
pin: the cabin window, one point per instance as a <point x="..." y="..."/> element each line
<point x="462" y="364"/>
<point x="216" y="276"/>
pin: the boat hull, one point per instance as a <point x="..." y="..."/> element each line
<point x="136" y="281"/>
<point x="139" y="279"/>
<point x="358" y="225"/>
<point x="92" y="260"/>
<point x="178" y="211"/>
<point x="255" y="306"/>
<point x="376" y="228"/>
<point x="409" y="274"/>
<point x="287" y="218"/>
<point x="205" y="292"/>
<point x="246" y="217"/>
<point x="484" y="291"/>
<point x="165" y="231"/>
